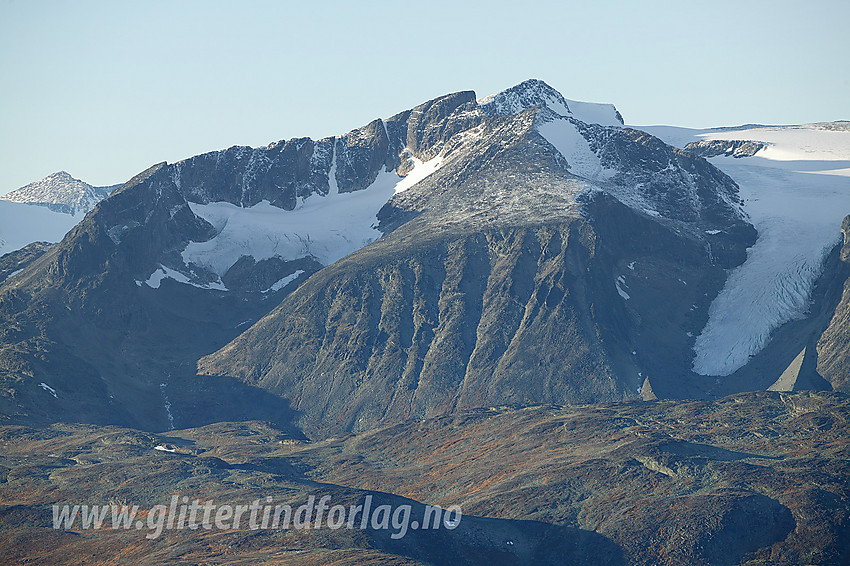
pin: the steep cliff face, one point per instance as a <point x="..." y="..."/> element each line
<point x="499" y="316"/>
<point x="833" y="347"/>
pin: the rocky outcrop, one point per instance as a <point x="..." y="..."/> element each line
<point x="734" y="148"/>
<point x="15" y="262"/>
<point x="801" y="374"/>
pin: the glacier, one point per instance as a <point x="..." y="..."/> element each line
<point x="796" y="192"/>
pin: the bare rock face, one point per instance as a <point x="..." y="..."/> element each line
<point x="16" y="261"/>
<point x="833" y="347"/>
<point x="735" y="148"/>
<point x="801" y="374"/>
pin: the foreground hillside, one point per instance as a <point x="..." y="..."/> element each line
<point x="755" y="479"/>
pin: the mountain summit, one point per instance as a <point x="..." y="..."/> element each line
<point x="535" y="92"/>
<point x="60" y="192"/>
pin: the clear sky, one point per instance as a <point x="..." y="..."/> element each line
<point x="105" y="89"/>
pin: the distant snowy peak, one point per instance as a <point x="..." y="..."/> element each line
<point x="60" y="192"/>
<point x="535" y="92"/>
<point x="532" y="92"/>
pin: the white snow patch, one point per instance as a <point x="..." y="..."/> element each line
<point x="595" y="113"/>
<point x="280" y="284"/>
<point x="326" y="228"/>
<point x="631" y="265"/>
<point x="569" y="142"/>
<point x="163" y="272"/>
<point x="796" y="193"/>
<point x="620" y="282"/>
<point x="421" y="169"/>
<point x="48" y="389"/>
<point x="162" y="448"/>
<point x="11" y="275"/>
<point x="333" y="186"/>
<point x="713" y="232"/>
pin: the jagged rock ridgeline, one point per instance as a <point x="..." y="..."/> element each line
<point x="733" y="148"/>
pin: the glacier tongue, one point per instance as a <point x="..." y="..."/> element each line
<point x="796" y="192"/>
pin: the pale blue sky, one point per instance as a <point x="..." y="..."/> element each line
<point x="105" y="89"/>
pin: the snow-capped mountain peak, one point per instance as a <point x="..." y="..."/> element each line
<point x="60" y="192"/>
<point x="45" y="210"/>
<point x="534" y="92"/>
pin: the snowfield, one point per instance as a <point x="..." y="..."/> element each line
<point x="22" y="224"/>
<point x="569" y="142"/>
<point x="796" y="193"/>
<point x="326" y="228"/>
<point x="595" y="113"/>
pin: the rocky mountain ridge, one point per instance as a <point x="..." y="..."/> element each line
<point x="491" y="233"/>
<point x="489" y="177"/>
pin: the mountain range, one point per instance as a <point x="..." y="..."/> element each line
<point x="466" y="255"/>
